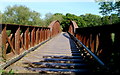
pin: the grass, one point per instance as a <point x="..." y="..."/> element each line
<point x="3" y="72"/>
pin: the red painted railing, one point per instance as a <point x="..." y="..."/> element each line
<point x="103" y="41"/>
<point x="55" y="28"/>
<point x="19" y="38"/>
<point x="72" y="27"/>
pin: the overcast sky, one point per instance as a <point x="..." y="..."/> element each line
<point x="77" y="7"/>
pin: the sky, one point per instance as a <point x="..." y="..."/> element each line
<point x="77" y="7"/>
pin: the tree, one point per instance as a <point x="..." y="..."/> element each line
<point x="21" y="15"/>
<point x="51" y="17"/>
<point x="91" y="20"/>
<point x="110" y="12"/>
<point x="58" y="16"/>
<point x="48" y="15"/>
<point x="117" y="7"/>
<point x="35" y="18"/>
<point x="81" y="22"/>
<point x="105" y="20"/>
<point x="86" y="20"/>
<point x="114" y="18"/>
<point x="78" y="19"/>
<point x="106" y="8"/>
<point x="48" y="18"/>
<point x="71" y="17"/>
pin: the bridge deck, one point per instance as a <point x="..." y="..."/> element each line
<point x="60" y="45"/>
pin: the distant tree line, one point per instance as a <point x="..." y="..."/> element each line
<point x="21" y="15"/>
<point x="24" y="16"/>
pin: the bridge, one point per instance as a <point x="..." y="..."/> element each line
<point x="48" y="50"/>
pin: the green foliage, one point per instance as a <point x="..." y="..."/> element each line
<point x="66" y="21"/>
<point x="105" y="20"/>
<point x="3" y="72"/>
<point x="0" y="17"/>
<point x="106" y="8"/>
<point x="91" y="20"/>
<point x="114" y="18"/>
<point x="11" y="71"/>
<point x="109" y="7"/>
<point x="86" y="20"/>
<point x="117" y="7"/>
<point x="21" y="15"/>
<point x="49" y="17"/>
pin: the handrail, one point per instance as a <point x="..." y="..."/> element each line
<point x="103" y="41"/>
<point x="18" y="38"/>
<point x="72" y="27"/>
<point x="94" y="56"/>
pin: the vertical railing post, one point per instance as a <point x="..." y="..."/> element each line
<point x="26" y="41"/>
<point x="47" y="33"/>
<point x="17" y="41"/>
<point x="22" y="43"/>
<point x="37" y="36"/>
<point x="96" y="43"/>
<point x="52" y="32"/>
<point x="43" y="34"/>
<point x="29" y="45"/>
<point x="4" y="37"/>
<point x="84" y="40"/>
<point x="91" y="43"/>
<point x="33" y="37"/>
<point x="77" y="36"/>
<point x="87" y="41"/>
<point x="40" y="35"/>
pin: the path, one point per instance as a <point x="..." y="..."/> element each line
<point x="60" y="45"/>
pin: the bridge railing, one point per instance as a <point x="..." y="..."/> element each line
<point x="55" y="28"/>
<point x="72" y="27"/>
<point x="81" y="45"/>
<point x="18" y="38"/>
<point x="101" y="40"/>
